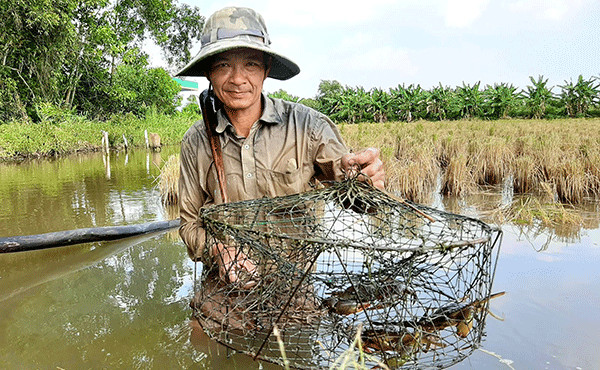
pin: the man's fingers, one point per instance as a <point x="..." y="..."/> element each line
<point x="362" y="158"/>
<point x="236" y="268"/>
<point x="244" y="274"/>
<point x="369" y="163"/>
<point x="376" y="173"/>
<point x="366" y="156"/>
<point x="232" y="275"/>
<point x="379" y="184"/>
<point x="247" y="279"/>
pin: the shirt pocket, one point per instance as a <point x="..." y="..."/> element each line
<point x="285" y="183"/>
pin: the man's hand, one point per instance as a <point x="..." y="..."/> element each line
<point x="369" y="163"/>
<point x="234" y="265"/>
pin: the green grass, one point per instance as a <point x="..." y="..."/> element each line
<point x="74" y="133"/>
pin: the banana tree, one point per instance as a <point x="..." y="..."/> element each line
<point x="438" y="102"/>
<point x="379" y="104"/>
<point x="538" y="96"/>
<point x="499" y="99"/>
<point x="408" y="102"/>
<point x="579" y="97"/>
<point x="352" y="105"/>
<point x="469" y="100"/>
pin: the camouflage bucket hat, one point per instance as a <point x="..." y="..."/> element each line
<point x="232" y="28"/>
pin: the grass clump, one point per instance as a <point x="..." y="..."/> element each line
<point x="168" y="181"/>
<point x="531" y="209"/>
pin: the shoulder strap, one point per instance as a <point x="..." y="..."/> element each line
<point x="209" y="116"/>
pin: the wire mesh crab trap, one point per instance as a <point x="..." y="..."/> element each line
<point x="348" y="270"/>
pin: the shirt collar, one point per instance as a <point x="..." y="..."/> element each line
<point x="222" y="121"/>
<point x="269" y="115"/>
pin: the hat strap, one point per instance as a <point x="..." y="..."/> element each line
<point x="227" y="33"/>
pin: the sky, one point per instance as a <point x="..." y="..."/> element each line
<point x="385" y="43"/>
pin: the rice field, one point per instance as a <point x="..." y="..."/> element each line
<point x="556" y="157"/>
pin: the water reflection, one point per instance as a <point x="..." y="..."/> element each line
<point x="117" y="305"/>
<point x="67" y="193"/>
<point x="551" y="222"/>
<point x="121" y="305"/>
<point x="114" y="304"/>
<point x="106" y="161"/>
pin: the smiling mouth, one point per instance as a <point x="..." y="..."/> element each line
<point x="237" y="92"/>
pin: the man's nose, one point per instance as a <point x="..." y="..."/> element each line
<point x="238" y="74"/>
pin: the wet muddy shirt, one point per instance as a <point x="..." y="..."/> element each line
<point x="288" y="146"/>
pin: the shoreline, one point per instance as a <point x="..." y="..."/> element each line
<point x="22" y="141"/>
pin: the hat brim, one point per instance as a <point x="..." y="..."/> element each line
<point x="281" y="67"/>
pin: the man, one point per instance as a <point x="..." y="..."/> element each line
<point x="269" y="147"/>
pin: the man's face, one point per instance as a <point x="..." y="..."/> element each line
<point x="237" y="77"/>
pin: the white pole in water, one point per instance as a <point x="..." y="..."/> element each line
<point x="125" y="142"/>
<point x="105" y="141"/>
<point x="146" y="137"/>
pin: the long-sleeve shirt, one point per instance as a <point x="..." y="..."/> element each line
<point x="286" y="148"/>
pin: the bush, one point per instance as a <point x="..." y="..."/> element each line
<point x="50" y="113"/>
<point x="11" y="106"/>
<point x="135" y="88"/>
<point x="191" y="110"/>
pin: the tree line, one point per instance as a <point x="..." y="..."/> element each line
<point x="86" y="56"/>
<point x="498" y="101"/>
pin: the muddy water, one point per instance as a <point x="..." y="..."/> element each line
<point x="124" y="304"/>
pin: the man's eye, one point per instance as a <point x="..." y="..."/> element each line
<point x="221" y="65"/>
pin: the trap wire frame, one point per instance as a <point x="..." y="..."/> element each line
<point x="348" y="266"/>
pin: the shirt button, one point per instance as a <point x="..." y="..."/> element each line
<point x="246" y="146"/>
<point x="249" y="175"/>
